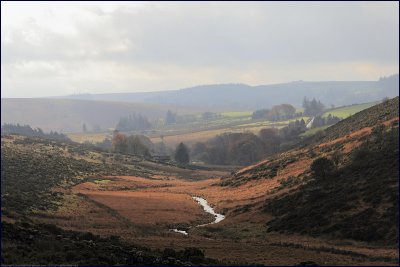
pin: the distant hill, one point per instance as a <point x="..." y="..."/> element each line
<point x="68" y="115"/>
<point x="356" y="199"/>
<point x="222" y="97"/>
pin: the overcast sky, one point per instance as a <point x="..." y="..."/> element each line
<point x="61" y="48"/>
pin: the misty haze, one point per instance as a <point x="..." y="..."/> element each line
<point x="199" y="133"/>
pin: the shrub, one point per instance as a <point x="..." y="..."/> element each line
<point x="182" y="154"/>
<point x="322" y="167"/>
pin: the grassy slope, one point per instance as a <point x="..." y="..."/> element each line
<point x="32" y="167"/>
<point x="358" y="201"/>
<point x="367" y="118"/>
<point x="341" y="112"/>
<point x="344" y="112"/>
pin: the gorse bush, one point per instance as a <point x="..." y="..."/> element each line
<point x="322" y="167"/>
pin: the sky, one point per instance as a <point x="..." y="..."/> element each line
<point x="63" y="48"/>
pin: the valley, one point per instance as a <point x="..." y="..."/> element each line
<point x="145" y="210"/>
<point x="141" y="201"/>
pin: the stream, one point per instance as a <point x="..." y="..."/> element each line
<point x="207" y="208"/>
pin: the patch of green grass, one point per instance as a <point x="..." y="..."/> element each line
<point x="344" y="112"/>
<point x="271" y="123"/>
<point x="105" y="181"/>
<point x="237" y="114"/>
<point x="314" y="130"/>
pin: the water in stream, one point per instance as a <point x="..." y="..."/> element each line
<point x="207" y="208"/>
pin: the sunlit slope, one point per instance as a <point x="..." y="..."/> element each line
<point x="358" y="197"/>
<point x="344" y="112"/>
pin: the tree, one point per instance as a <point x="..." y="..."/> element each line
<point x="260" y="114"/>
<point x="170" y="117"/>
<point x="306" y="104"/>
<point x="182" y="154"/>
<point x="120" y="142"/>
<point x="322" y="167"/>
<point x="136" y="147"/>
<point x="302" y="124"/>
<point x="271" y="139"/>
<point x="288" y="110"/>
<point x="318" y="122"/>
<point x="313" y="107"/>
<point x="281" y="112"/>
<point x="246" y="151"/>
<point x="131" y="145"/>
<point x="133" y="122"/>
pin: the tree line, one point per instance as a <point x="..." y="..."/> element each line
<point x="131" y="145"/>
<point x="320" y="121"/>
<point x="246" y="148"/>
<point x="277" y="113"/>
<point x="286" y="111"/>
<point x="133" y="122"/>
<point x="27" y="130"/>
<point x="140" y="145"/>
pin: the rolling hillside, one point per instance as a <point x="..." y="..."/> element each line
<point x="355" y="198"/>
<point x="227" y="97"/>
<point x="36" y="177"/>
<point x="68" y="115"/>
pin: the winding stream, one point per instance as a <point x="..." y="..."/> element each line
<point x="207" y="208"/>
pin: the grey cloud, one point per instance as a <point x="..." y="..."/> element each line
<point x="296" y="32"/>
<point x="230" y="37"/>
<point x="206" y="33"/>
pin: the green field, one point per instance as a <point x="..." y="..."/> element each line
<point x="237" y="114"/>
<point x="344" y="112"/>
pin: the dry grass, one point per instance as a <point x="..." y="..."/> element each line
<point x="80" y="214"/>
<point x="152" y="208"/>
<point x="141" y="210"/>
<point x="89" y="137"/>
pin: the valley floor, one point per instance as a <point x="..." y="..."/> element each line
<point x="143" y="210"/>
